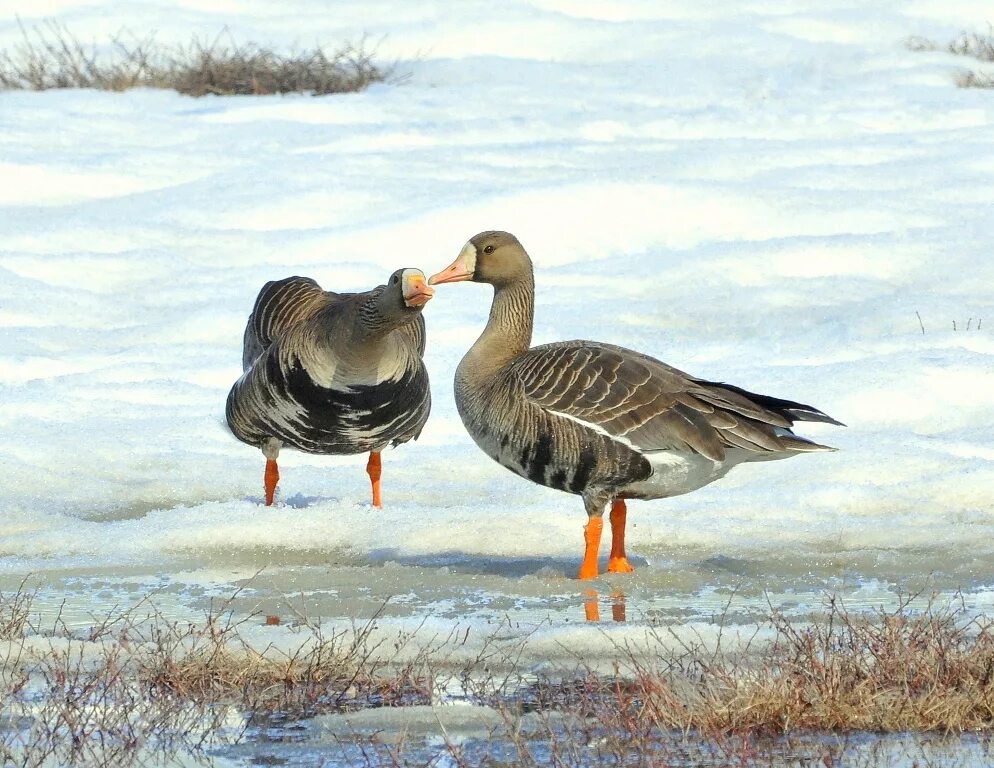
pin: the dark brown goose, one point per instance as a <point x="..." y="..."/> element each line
<point x="333" y="372"/>
<point x="598" y="420"/>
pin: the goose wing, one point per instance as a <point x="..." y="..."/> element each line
<point x="655" y="407"/>
<point x="280" y="305"/>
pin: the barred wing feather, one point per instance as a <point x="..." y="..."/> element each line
<point x="655" y="407"/>
<point x="280" y="305"/>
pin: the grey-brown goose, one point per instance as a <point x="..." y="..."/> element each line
<point x="597" y="420"/>
<point x="333" y="372"/>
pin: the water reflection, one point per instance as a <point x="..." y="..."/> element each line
<point x="618" y="605"/>
<point x="591" y="605"/>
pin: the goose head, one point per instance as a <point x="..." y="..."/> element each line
<point x="407" y="289"/>
<point x="496" y="258"/>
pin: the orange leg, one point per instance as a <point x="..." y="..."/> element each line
<point x="592" y="538"/>
<point x="618" y="562"/>
<point x="272" y="477"/>
<point x="374" y="470"/>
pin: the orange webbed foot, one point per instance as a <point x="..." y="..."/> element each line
<point x="619" y="565"/>
<point x="588" y="572"/>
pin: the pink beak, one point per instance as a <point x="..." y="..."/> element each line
<point x="460" y="269"/>
<point x="418" y="293"/>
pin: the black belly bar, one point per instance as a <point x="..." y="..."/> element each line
<point x="309" y="417"/>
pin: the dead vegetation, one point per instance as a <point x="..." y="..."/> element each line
<point x="970" y="44"/>
<point x="902" y="670"/>
<point x="971" y="79"/>
<point x="971" y="324"/>
<point x="899" y="671"/>
<point x="52" y="57"/>
<point x="136" y="683"/>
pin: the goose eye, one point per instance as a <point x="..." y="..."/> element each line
<point x="488" y="249"/>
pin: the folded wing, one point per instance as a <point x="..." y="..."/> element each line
<point x="280" y="305"/>
<point x="654" y="407"/>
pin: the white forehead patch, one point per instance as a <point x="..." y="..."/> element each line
<point x="407" y="276"/>
<point x="412" y="281"/>
<point x="468" y="257"/>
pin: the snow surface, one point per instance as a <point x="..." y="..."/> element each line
<point x="760" y="192"/>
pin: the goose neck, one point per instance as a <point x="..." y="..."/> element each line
<point x="377" y="318"/>
<point x="509" y="330"/>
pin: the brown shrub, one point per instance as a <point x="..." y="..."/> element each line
<point x="971" y="44"/>
<point x="51" y="57"/>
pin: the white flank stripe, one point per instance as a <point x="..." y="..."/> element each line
<point x="598" y="429"/>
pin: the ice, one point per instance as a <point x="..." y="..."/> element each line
<point x="414" y="720"/>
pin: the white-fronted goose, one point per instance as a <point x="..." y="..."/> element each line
<point x="333" y="372"/>
<point x="598" y="420"/>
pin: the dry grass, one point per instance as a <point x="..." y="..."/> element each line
<point x="337" y="671"/>
<point x="970" y="79"/>
<point x="887" y="672"/>
<point x="971" y="324"/>
<point x="15" y="610"/>
<point x="51" y="57"/>
<point x="970" y="44"/>
<point x="136" y="683"/>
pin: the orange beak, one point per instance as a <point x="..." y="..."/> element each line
<point x="461" y="269"/>
<point x="416" y="292"/>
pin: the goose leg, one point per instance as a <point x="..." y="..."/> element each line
<point x="592" y="540"/>
<point x="374" y="470"/>
<point x="592" y="536"/>
<point x="618" y="563"/>
<point x="272" y="477"/>
<point x="271" y="450"/>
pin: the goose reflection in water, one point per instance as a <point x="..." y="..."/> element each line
<point x="591" y="607"/>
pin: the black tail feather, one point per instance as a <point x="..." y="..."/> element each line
<point x="788" y="409"/>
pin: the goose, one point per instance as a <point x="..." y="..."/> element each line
<point x="333" y="373"/>
<point x="598" y="420"/>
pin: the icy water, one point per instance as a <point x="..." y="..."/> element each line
<point x="533" y="609"/>
<point x="563" y="620"/>
<point x="534" y="591"/>
<point x="460" y="590"/>
<point x="540" y="616"/>
<point x="318" y="744"/>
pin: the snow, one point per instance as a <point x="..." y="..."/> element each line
<point x="752" y="193"/>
